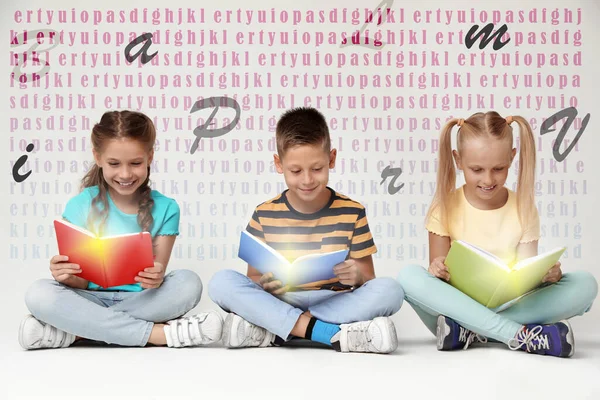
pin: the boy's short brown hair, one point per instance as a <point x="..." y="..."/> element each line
<point x="301" y="126"/>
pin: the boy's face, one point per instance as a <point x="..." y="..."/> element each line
<point x="305" y="169"/>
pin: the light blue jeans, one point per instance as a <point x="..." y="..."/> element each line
<point x="430" y="297"/>
<point x="123" y="318"/>
<point x="235" y="292"/>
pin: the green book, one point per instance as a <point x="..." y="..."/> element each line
<point x="488" y="280"/>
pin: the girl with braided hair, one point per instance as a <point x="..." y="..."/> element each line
<point x="116" y="198"/>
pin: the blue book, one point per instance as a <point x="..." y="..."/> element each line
<point x="306" y="269"/>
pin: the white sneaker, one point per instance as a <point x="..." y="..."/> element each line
<point x="237" y="332"/>
<point x="200" y="329"/>
<point x="35" y="334"/>
<point x="375" y="336"/>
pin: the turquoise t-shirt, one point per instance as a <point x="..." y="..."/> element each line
<point x="165" y="213"/>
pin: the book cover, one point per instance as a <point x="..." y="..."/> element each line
<point x="306" y="269"/>
<point x="487" y="279"/>
<point x="106" y="261"/>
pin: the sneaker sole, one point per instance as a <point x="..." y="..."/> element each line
<point x="442" y="330"/>
<point x="219" y="324"/>
<point x="393" y="337"/>
<point x="226" y="334"/>
<point x="569" y="338"/>
<point x="21" y="328"/>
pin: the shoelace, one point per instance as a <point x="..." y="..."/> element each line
<point x="526" y="337"/>
<point x="472" y="337"/>
<point x="543" y="342"/>
<point x="357" y="338"/>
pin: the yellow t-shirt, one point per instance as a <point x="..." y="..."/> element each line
<point x="496" y="231"/>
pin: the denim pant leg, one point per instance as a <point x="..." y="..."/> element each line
<point x="379" y="297"/>
<point x="572" y="295"/>
<point x="102" y="316"/>
<point x="235" y="292"/>
<point x="431" y="297"/>
<point x="179" y="293"/>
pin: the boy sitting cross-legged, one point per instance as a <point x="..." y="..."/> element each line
<point x="349" y="313"/>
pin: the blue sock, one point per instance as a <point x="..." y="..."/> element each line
<point x="322" y="332"/>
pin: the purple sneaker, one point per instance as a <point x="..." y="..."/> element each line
<point x="451" y="336"/>
<point x="551" y="340"/>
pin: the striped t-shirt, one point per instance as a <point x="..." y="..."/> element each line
<point x="340" y="225"/>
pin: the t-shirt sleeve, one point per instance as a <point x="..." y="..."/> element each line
<point x="532" y="230"/>
<point x="170" y="225"/>
<point x="76" y="210"/>
<point x="362" y="244"/>
<point x="434" y="223"/>
<point x="254" y="227"/>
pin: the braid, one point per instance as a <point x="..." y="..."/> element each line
<point x="98" y="215"/>
<point x="144" y="217"/>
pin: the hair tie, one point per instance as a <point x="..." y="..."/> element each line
<point x="509" y="120"/>
<point x="460" y="122"/>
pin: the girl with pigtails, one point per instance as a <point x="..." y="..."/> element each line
<point x="485" y="213"/>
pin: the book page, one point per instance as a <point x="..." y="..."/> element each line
<point x="550" y="258"/>
<point x="263" y="257"/>
<point x="75" y="227"/>
<point x="316" y="267"/>
<point x="485" y="253"/>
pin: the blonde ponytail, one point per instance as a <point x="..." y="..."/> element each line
<point x="446" y="174"/>
<point x="526" y="179"/>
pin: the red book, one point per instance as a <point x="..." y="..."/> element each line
<point x="106" y="261"/>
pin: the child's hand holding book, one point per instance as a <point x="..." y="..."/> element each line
<point x="439" y="269"/>
<point x="270" y="284"/>
<point x="554" y="275"/>
<point x="152" y="277"/>
<point x="65" y="272"/>
<point x="348" y="273"/>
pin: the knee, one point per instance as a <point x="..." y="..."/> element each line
<point x="41" y="297"/>
<point x="390" y="295"/>
<point x="221" y="283"/>
<point x="394" y="293"/>
<point x="410" y="276"/>
<point x="189" y="286"/>
<point x="584" y="284"/>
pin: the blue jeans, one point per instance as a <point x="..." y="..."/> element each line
<point x="123" y="318"/>
<point x="235" y="292"/>
<point x="431" y="297"/>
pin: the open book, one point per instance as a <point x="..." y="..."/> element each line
<point x="106" y="261"/>
<point x="491" y="282"/>
<point x="306" y="269"/>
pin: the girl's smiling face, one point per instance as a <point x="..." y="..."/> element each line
<point x="485" y="162"/>
<point x="124" y="164"/>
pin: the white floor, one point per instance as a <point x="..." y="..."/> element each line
<point x="416" y="370"/>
